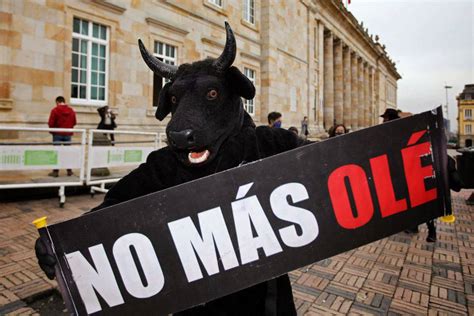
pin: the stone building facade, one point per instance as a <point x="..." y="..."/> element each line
<point x="306" y="57"/>
<point x="465" y="116"/>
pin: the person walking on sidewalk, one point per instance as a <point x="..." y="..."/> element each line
<point x="61" y="116"/>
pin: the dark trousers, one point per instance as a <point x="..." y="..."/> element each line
<point x="61" y="140"/>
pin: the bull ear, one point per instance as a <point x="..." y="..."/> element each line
<point x="163" y="108"/>
<point x="240" y="83"/>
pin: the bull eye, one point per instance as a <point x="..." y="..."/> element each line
<point x="212" y="94"/>
<point x="173" y="99"/>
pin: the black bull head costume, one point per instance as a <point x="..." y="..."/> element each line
<point x="204" y="100"/>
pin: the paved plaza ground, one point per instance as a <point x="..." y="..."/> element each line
<point x="402" y="274"/>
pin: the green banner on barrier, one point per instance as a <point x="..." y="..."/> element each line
<point x="41" y="157"/>
<point x="133" y="156"/>
<point x="114" y="156"/>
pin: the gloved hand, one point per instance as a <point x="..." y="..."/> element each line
<point x="46" y="261"/>
<point x="455" y="182"/>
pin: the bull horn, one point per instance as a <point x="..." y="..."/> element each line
<point x="227" y="57"/>
<point x="157" y="66"/>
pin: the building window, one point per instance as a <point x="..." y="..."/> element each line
<point x="467" y="129"/>
<point x="89" y="63"/>
<point x="169" y="55"/>
<point x="249" y="105"/>
<point x="249" y="11"/>
<point x="468" y="114"/>
<point x="216" y="2"/>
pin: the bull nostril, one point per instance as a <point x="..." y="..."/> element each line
<point x="182" y="139"/>
<point x="189" y="134"/>
<point x="191" y="138"/>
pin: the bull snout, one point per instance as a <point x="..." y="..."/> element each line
<point x="183" y="139"/>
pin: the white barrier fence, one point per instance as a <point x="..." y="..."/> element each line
<point x="33" y="155"/>
<point x="131" y="155"/>
<point x="40" y="155"/>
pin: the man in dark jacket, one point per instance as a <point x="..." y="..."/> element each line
<point x="61" y="116"/>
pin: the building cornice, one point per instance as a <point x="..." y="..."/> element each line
<point x="375" y="47"/>
<point x="109" y="6"/>
<point x="166" y="25"/>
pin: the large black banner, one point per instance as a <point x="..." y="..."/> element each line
<point x="192" y="243"/>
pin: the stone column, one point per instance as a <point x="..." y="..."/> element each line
<point x="377" y="96"/>
<point x="354" y="91"/>
<point x="338" y="82"/>
<point x="371" y="98"/>
<point x="367" y="96"/>
<point x="361" y="107"/>
<point x="319" y="101"/>
<point x="347" y="87"/>
<point x="328" y="80"/>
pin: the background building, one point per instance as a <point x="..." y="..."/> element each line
<point x="465" y="116"/>
<point x="306" y="58"/>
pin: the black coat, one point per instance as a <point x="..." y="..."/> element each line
<point x="162" y="170"/>
<point x="103" y="112"/>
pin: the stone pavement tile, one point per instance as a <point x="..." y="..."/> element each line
<point x="20" y="275"/>
<point x="415" y="278"/>
<point x="327" y="268"/>
<point x="329" y="304"/>
<point x="301" y="306"/>
<point x="313" y="281"/>
<point x="407" y="301"/>
<point x="433" y="311"/>
<point x="24" y="311"/>
<point x="7" y="296"/>
<point x="447" y="299"/>
<point x="333" y="305"/>
<point x="419" y="257"/>
<point x="371" y="302"/>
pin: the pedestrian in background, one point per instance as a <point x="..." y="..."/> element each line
<point x="337" y="130"/>
<point x="61" y="116"/>
<point x="274" y="119"/>
<point x="304" y="127"/>
<point x="107" y="121"/>
<point x="294" y="130"/>
<point x="390" y="115"/>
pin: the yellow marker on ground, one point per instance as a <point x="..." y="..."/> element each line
<point x="40" y="222"/>
<point x="448" y="219"/>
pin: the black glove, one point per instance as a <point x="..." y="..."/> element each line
<point x="455" y="182"/>
<point x="46" y="261"/>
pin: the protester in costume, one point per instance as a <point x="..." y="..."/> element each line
<point x="209" y="131"/>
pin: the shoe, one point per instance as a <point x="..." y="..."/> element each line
<point x="54" y="174"/>
<point x="413" y="230"/>
<point x="69" y="173"/>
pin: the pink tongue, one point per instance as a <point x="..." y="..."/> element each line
<point x="197" y="155"/>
